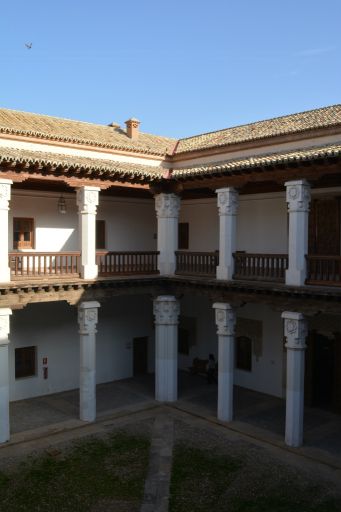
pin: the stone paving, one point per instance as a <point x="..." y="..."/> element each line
<point x="255" y="413"/>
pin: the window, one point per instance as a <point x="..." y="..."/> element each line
<point x="23" y="230"/>
<point x="100" y="234"/>
<point x="183" y="235"/>
<point x="25" y="362"/>
<point x="244" y="353"/>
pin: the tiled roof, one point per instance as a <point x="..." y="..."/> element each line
<point x="266" y="160"/>
<point x="102" y="168"/>
<point x="65" y="130"/>
<point x="109" y="169"/>
<point x="312" y="119"/>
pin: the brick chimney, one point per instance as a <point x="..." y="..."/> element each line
<point x="133" y="128"/>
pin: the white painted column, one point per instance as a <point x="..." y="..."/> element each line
<point x="295" y="331"/>
<point x="167" y="208"/>
<point x="87" y="200"/>
<point x="298" y="199"/>
<point x="228" y="205"/>
<point x="5" y="195"/>
<point x="87" y="319"/>
<point x="166" y="311"/>
<point x="4" y="374"/>
<point x="225" y="318"/>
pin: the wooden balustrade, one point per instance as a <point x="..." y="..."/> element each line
<point x="44" y="264"/>
<point x="324" y="270"/>
<point x="127" y="262"/>
<point x="260" y="267"/>
<point x="196" y="263"/>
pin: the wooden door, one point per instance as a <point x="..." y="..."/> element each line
<point x="140" y="355"/>
<point x="324" y="227"/>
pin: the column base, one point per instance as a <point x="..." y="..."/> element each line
<point x="295" y="277"/>
<point x="89" y="272"/>
<point x="5" y="275"/>
<point x="224" y="273"/>
<point x="166" y="269"/>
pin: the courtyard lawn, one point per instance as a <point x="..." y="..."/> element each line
<point x="92" y="475"/>
<point x="203" y="481"/>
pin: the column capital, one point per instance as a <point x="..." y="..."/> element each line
<point x="87" y="199"/>
<point x="298" y="195"/>
<point x="228" y="201"/>
<point x="5" y="193"/>
<point x="295" y="330"/>
<point x="225" y="318"/>
<point x="4" y="325"/>
<point x="167" y="205"/>
<point x="166" y="310"/>
<point x="88" y="317"/>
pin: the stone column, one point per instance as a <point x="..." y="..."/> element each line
<point x="228" y="205"/>
<point x="87" y="319"/>
<point x="295" y="331"/>
<point x="4" y="374"/>
<point x="166" y="311"/>
<point x="298" y="199"/>
<point x="5" y="195"/>
<point x="167" y="210"/>
<point x="225" y="318"/>
<point x="87" y="200"/>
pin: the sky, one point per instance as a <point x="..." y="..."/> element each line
<point x="181" y="67"/>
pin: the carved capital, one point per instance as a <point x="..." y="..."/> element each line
<point x="87" y="199"/>
<point x="88" y="317"/>
<point x="225" y="318"/>
<point x="4" y="325"/>
<point x="5" y="193"/>
<point x="295" y="330"/>
<point x="166" y="310"/>
<point x="167" y="205"/>
<point x="298" y="196"/>
<point x="228" y="201"/>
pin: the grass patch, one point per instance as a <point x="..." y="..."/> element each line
<point x="203" y="481"/>
<point x="93" y="470"/>
<point x="199" y="479"/>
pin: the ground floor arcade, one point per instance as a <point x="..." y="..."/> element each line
<point x="260" y="352"/>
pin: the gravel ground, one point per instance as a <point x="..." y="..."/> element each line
<point x="263" y="468"/>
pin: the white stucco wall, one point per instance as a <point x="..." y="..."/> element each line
<point x="267" y="371"/>
<point x="53" y="329"/>
<point x="130" y="223"/>
<point x="261" y="223"/>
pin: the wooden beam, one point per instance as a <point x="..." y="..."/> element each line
<point x="18" y="177"/>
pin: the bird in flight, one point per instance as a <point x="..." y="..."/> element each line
<point x="28" y="45"/>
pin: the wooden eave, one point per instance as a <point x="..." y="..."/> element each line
<point x="261" y="169"/>
<point x="311" y="300"/>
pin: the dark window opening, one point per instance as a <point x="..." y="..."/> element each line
<point x="25" y="362"/>
<point x="183" y="235"/>
<point x="100" y="234"/>
<point x="244" y="353"/>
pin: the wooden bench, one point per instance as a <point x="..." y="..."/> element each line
<point x="199" y="366"/>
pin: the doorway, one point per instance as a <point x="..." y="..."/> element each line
<point x="323" y="371"/>
<point x="140" y="355"/>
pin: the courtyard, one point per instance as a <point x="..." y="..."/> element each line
<point x="144" y="456"/>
